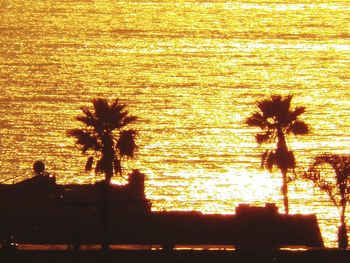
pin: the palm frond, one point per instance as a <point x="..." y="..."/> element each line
<point x="263" y="158"/>
<point x="126" y="143"/>
<point x="118" y="113"/>
<point x="313" y="175"/>
<point x="283" y="110"/>
<point x="340" y="164"/>
<point x="267" y="108"/>
<point x="117" y="105"/>
<point x="117" y="166"/>
<point x="298" y="128"/>
<point x="120" y="116"/>
<point x="257" y="120"/>
<point x="263" y="137"/>
<point x="88" y="165"/>
<point x="102" y="109"/>
<point x="88" y="118"/>
<point x="293" y="115"/>
<point x="268" y="159"/>
<point x="85" y="139"/>
<point x="339" y="190"/>
<point x="276" y="107"/>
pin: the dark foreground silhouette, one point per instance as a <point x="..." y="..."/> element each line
<point x="39" y="211"/>
<point x="155" y="256"/>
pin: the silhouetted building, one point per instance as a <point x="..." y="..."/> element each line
<point x="37" y="210"/>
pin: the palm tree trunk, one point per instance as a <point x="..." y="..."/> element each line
<point x="343" y="241"/>
<point x="285" y="191"/>
<point x="107" y="157"/>
<point x="282" y="150"/>
<point x="104" y="216"/>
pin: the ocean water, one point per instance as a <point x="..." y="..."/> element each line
<point x="192" y="72"/>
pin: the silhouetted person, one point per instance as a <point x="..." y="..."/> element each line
<point x="39" y="167"/>
<point x="41" y="175"/>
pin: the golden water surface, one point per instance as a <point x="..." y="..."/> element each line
<point x="192" y="72"/>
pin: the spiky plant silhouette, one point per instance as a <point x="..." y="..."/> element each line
<point x="276" y="120"/>
<point x="337" y="188"/>
<point x="105" y="136"/>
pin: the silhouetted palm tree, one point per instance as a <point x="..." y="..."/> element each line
<point x="276" y="119"/>
<point x="338" y="189"/>
<point x="104" y="134"/>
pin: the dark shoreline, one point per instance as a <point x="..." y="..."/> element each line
<point x="155" y="256"/>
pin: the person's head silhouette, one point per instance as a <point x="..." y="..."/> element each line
<point x="39" y="167"/>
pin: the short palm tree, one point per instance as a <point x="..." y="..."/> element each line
<point x="276" y="119"/>
<point x="337" y="189"/>
<point x="105" y="136"/>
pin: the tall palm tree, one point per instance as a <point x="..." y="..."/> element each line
<point x="276" y="120"/>
<point x="105" y="136"/>
<point x="338" y="189"/>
